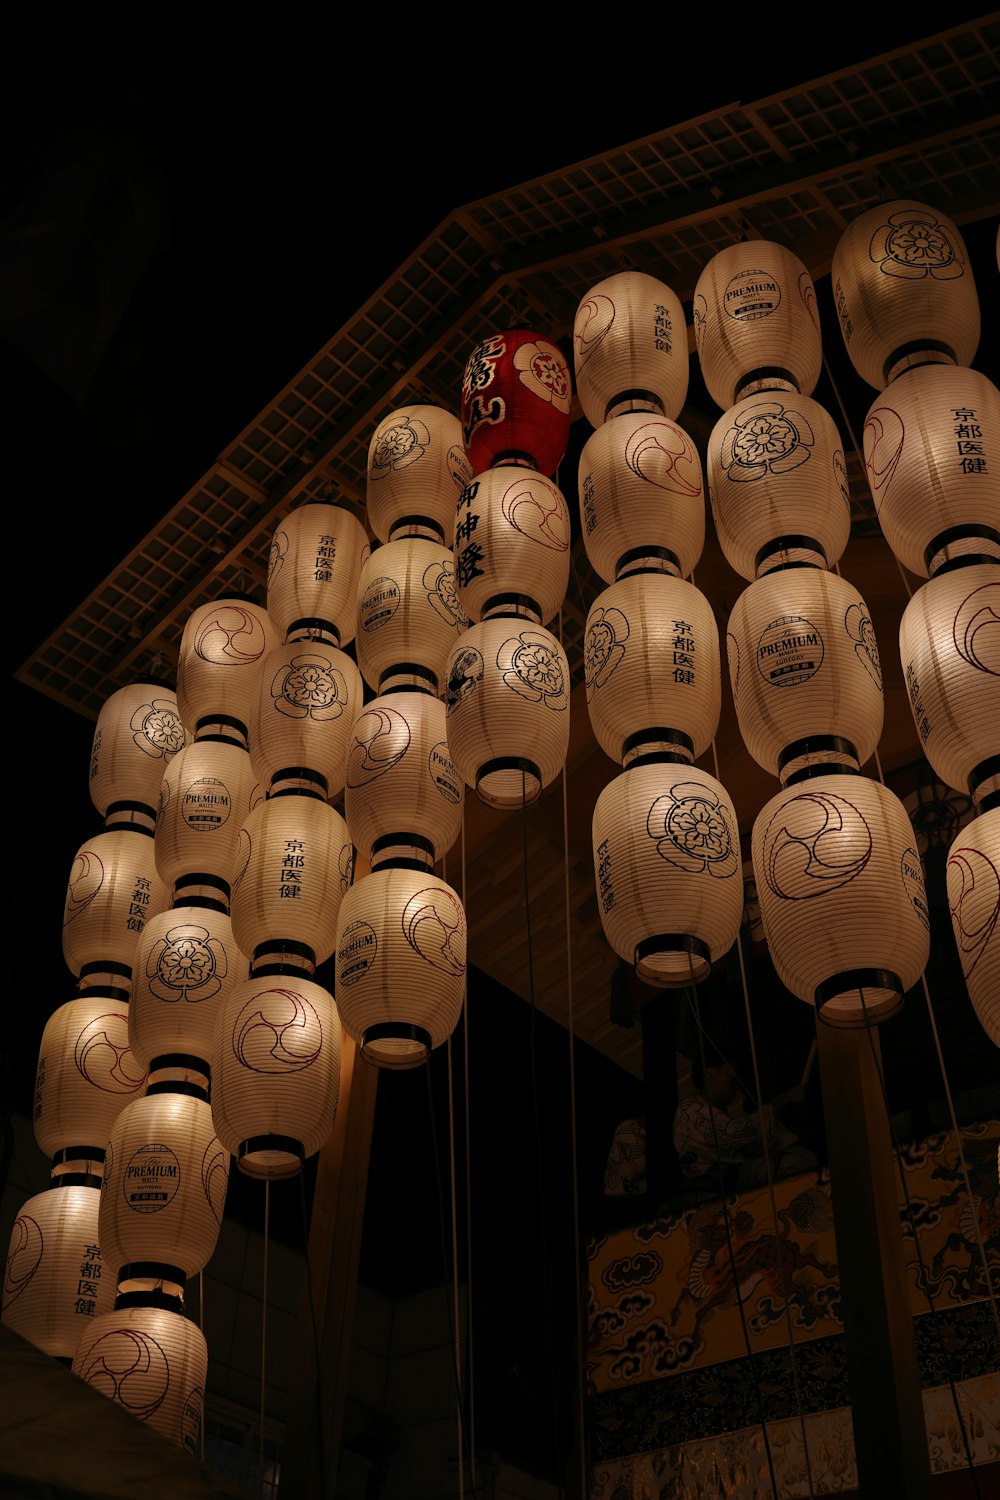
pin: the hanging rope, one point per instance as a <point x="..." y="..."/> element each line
<point x="263" y="1328"/>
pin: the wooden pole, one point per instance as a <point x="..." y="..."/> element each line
<point x="312" y="1438"/>
<point x="890" y="1436"/>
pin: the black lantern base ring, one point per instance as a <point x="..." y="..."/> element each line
<point x="396" y="1045"/>
<point x="859" y="997"/>
<point x="270" y="1156"/>
<point x="508" y="781"/>
<point x="669" y="960"/>
<point x="156" y="1279"/>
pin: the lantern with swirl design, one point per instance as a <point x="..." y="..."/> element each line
<point x="86" y="1075"/>
<point x="630" y="348"/>
<point x="511" y="539"/>
<point x="153" y="1362"/>
<point x="55" y="1280"/>
<point x="841" y="895"/>
<point x="222" y="647"/>
<point x="113" y="889"/>
<point x="401" y="953"/>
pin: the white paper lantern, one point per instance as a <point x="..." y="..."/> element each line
<point x="630" y="348"/>
<point x="668" y="870"/>
<point x="55" y="1281"/>
<point x="949" y="644"/>
<point x="186" y="963"/>
<point x="317" y="553"/>
<point x="512" y="543"/>
<point x="409" y="614"/>
<point x="805" y="672"/>
<point x="222" y="650"/>
<point x="401" y="954"/>
<point x="973" y="877"/>
<point x="404" y="794"/>
<point x="277" y="1071"/>
<point x="138" y="732"/>
<point x="307" y="699"/>
<point x="86" y="1074"/>
<point x="842" y="896"/>
<point x="508" y="710"/>
<point x="293" y="864"/>
<point x="153" y="1362"/>
<point x="642" y="500"/>
<point x="112" y="891"/>
<point x="651" y="664"/>
<point x="928" y="441"/>
<point x="904" y="291"/>
<point x="164" y="1190"/>
<point x="205" y="796"/>
<point x="777" y="480"/>
<point x="756" y="323"/>
<point x="416" y="470"/>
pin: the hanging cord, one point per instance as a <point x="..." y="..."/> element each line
<point x="908" y="1207"/>
<point x="692" y="993"/>
<point x="786" y="1282"/>
<point x="580" y="1326"/>
<point x="263" y="1327"/>
<point x="536" y="1119"/>
<point x="317" y="1384"/>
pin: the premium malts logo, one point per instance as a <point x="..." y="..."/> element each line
<point x="790" y="651"/>
<point x="751" y="295"/>
<point x="206" y="804"/>
<point x="356" y="953"/>
<point x="151" y="1178"/>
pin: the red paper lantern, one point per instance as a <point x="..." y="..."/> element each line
<point x="515" y="402"/>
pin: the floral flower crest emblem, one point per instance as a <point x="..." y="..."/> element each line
<point x="603" y="648"/>
<point x="157" y="729"/>
<point x="439" y="581"/>
<point x="913" y="245"/>
<point x="309" y="687"/>
<point x="862" y="632"/>
<point x="693" y="830"/>
<point x="400" y="443"/>
<point x="187" y="963"/>
<point x="531" y="665"/>
<point x="766" y="438"/>
<point x="544" y="371"/>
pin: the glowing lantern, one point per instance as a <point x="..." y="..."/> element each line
<point x="949" y="643"/>
<point x="138" y="733"/>
<point x="630" y="348"/>
<point x="222" y="648"/>
<point x="317" y="553"/>
<point x="404" y="794"/>
<point x="293" y="864"/>
<point x="164" y="1189"/>
<point x="113" y="889"/>
<point x="904" y="291"/>
<point x="308" y="696"/>
<point x="277" y="1071"/>
<point x="508" y="709"/>
<point x="409" y="614"/>
<point x="642" y="500"/>
<point x="512" y="539"/>
<point x="805" y="671"/>
<point x="973" y="878"/>
<point x="935" y="503"/>
<point x="186" y="963"/>
<point x="416" y="470"/>
<point x="651" y="664"/>
<point x="777" y="481"/>
<point x="756" y="323"/>
<point x="401" y="950"/>
<point x="55" y="1281"/>
<point x="86" y="1075"/>
<point x="668" y="870"/>
<point x="842" y="896"/>
<point x="153" y="1362"/>
<point x="206" y="794"/>
<point x="516" y="394"/>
